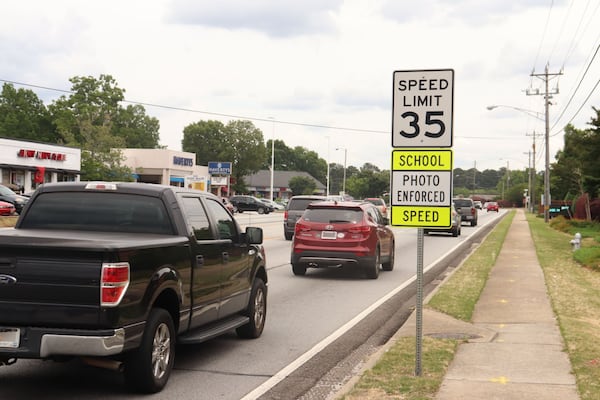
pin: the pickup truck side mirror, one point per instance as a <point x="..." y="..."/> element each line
<point x="254" y="235"/>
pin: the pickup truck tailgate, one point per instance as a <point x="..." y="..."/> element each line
<point x="46" y="281"/>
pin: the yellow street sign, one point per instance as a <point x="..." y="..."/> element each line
<point x="421" y="216"/>
<point x="422" y="160"/>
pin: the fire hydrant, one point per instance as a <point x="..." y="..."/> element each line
<point x="576" y="242"/>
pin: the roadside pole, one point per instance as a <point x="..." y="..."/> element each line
<point x="422" y="163"/>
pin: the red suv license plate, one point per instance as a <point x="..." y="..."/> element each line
<point x="9" y="337"/>
<point x="328" y="235"/>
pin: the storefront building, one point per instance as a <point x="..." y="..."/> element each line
<point x="24" y="165"/>
<point x="166" y="167"/>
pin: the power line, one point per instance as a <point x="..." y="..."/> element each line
<point x="357" y="130"/>
<point x="575" y="92"/>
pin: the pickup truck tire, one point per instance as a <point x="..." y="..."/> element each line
<point x="288" y="235"/>
<point x="257" y="311"/>
<point x="148" y="368"/>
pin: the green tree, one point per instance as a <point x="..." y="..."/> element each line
<point x="139" y="130"/>
<point x="238" y="142"/>
<point x="92" y="103"/>
<point x="91" y="118"/>
<point x="309" y="161"/>
<point x="302" y="185"/>
<point x="577" y="165"/>
<point x="369" y="181"/>
<point x="24" y="116"/>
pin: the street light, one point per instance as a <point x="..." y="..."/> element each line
<point x="272" y="157"/>
<point x="345" y="157"/>
<point x="531" y="113"/>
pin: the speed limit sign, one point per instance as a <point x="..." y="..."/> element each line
<point x="422" y="108"/>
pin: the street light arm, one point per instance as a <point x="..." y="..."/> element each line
<point x="531" y="113"/>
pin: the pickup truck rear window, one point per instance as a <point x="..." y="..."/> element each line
<point x="98" y="211"/>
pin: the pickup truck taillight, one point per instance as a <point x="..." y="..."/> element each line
<point x="115" y="279"/>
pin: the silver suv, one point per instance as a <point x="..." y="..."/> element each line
<point x="294" y="210"/>
<point x="466" y="209"/>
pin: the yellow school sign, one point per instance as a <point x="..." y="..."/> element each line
<point x="421" y="190"/>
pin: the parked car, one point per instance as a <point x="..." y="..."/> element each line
<point x="491" y="206"/>
<point x="454" y="229"/>
<point x="343" y="234"/>
<point x="275" y="206"/>
<point x="294" y="210"/>
<point x="379" y="203"/>
<point x="11" y="197"/>
<point x="7" y="208"/>
<point x="249" y="203"/>
<point x="466" y="209"/>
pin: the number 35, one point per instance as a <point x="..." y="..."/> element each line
<point x="430" y="119"/>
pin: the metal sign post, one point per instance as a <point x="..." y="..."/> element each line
<point x="419" y="305"/>
<point x="421" y="179"/>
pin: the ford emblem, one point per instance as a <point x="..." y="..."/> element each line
<point x="7" y="280"/>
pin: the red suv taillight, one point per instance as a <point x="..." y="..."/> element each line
<point x="300" y="227"/>
<point x="364" y="229"/>
<point x="114" y="283"/>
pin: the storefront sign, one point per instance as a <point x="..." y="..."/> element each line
<point x="41" y="155"/>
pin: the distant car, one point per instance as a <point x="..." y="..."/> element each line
<point x="275" y="206"/>
<point x="491" y="206"/>
<point x="379" y="203"/>
<point x="7" y="209"/>
<point x="478" y="204"/>
<point x="343" y="234"/>
<point x="249" y="203"/>
<point x="294" y="210"/>
<point x="11" y="197"/>
<point x="228" y="205"/>
<point x="454" y="229"/>
<point x="466" y="209"/>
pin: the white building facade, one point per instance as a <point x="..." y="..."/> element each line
<point x="24" y="165"/>
<point x="167" y="167"/>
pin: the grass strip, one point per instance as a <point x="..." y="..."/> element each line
<point x="393" y="377"/>
<point x="575" y="297"/>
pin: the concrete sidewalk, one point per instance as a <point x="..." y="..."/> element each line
<point x="514" y="350"/>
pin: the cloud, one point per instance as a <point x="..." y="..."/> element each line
<point x="277" y="19"/>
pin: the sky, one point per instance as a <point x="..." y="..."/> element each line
<point x="319" y="73"/>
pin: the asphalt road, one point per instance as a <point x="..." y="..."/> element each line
<point x="319" y="327"/>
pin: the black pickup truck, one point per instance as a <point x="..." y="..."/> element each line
<point x="117" y="273"/>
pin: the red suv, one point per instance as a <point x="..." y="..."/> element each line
<point x="343" y="234"/>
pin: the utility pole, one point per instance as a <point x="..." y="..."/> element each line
<point x="474" y="173"/>
<point x="528" y="199"/>
<point x="546" y="76"/>
<point x="533" y="173"/>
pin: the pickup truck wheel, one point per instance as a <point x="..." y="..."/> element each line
<point x="288" y="235"/>
<point x="257" y="311"/>
<point x="148" y="368"/>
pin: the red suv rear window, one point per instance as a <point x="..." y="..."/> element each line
<point x="332" y="215"/>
